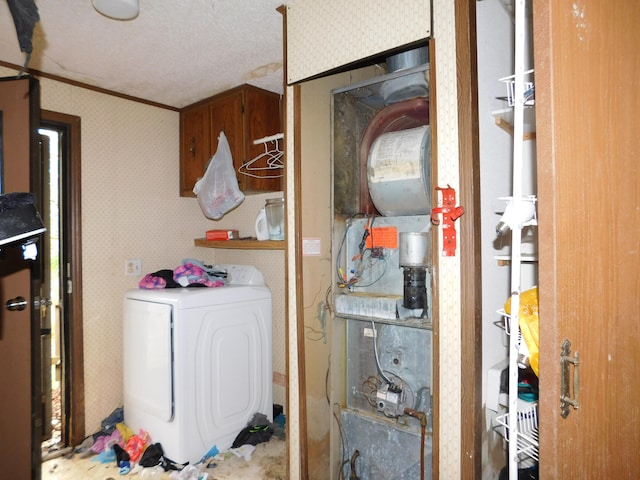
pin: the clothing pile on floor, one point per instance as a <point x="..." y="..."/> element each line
<point x="136" y="453"/>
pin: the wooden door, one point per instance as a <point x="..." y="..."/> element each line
<point x="225" y="115"/>
<point x="262" y="118"/>
<point x="20" y="421"/>
<point x="587" y="72"/>
<point x="195" y="147"/>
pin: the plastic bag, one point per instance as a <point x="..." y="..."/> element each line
<point x="529" y="324"/>
<point x="136" y="444"/>
<point x="217" y="190"/>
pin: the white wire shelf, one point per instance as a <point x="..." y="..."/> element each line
<point x="527" y="431"/>
<point x="529" y="89"/>
<point x="523" y="351"/>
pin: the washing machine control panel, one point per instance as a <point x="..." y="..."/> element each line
<point x="243" y="275"/>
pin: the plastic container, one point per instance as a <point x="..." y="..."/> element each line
<point x="274" y="209"/>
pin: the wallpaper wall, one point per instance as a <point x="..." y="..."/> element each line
<point x="131" y="210"/>
<point x="357" y="30"/>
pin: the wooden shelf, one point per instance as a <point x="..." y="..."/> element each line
<point x="247" y="244"/>
<point x="504" y="260"/>
<point x="504" y="120"/>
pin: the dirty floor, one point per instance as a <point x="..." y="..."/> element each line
<point x="268" y="462"/>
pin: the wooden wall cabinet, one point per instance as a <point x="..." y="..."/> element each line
<point x="245" y="113"/>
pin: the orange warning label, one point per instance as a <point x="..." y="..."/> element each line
<point x="382" y="237"/>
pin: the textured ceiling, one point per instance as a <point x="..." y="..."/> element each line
<point x="175" y="52"/>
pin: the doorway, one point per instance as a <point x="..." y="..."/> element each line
<point x="61" y="332"/>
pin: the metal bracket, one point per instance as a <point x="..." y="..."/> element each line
<point x="566" y="360"/>
<point x="450" y="213"/>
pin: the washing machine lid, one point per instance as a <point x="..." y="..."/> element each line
<point x="194" y="297"/>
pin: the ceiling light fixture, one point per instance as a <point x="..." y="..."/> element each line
<point x="117" y="9"/>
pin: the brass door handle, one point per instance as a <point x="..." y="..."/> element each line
<point x="566" y="360"/>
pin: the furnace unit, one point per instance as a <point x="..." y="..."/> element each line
<point x="382" y="255"/>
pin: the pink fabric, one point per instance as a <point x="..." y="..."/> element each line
<point x="150" y="282"/>
<point x="188" y="274"/>
<point x="106" y="441"/>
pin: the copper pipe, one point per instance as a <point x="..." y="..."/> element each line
<point x="423" y="426"/>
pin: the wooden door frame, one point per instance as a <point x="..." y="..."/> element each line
<point x="73" y="370"/>
<point x="470" y="241"/>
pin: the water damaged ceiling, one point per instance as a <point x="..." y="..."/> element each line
<point x="173" y="53"/>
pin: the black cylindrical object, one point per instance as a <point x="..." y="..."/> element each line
<point x="415" y="288"/>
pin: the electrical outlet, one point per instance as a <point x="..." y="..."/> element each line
<point x="133" y="267"/>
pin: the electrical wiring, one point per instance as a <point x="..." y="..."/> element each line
<point x="339" y="271"/>
<point x="373" y="384"/>
<point x="343" y="442"/>
<point x="375" y="353"/>
<point x="314" y="335"/>
<point x="328" y="297"/>
<point x="364" y="260"/>
<point x="321" y="334"/>
<point x="343" y="439"/>
<point x="322" y="307"/>
<point x="373" y="282"/>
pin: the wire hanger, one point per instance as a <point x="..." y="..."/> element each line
<point x="269" y="160"/>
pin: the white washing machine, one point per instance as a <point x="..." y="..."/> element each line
<point x="197" y="362"/>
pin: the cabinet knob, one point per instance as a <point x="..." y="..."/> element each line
<point x="192" y="146"/>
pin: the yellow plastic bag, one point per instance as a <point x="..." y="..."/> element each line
<point x="125" y="432"/>
<point x="529" y="324"/>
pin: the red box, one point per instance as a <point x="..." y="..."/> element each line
<point x="222" y="234"/>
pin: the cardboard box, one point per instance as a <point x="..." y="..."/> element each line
<point x="222" y="234"/>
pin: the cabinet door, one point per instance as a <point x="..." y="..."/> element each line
<point x="244" y="114"/>
<point x="225" y="115"/>
<point x="261" y="119"/>
<point x="195" y="147"/>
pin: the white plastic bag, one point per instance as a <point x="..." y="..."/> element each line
<point x="217" y="190"/>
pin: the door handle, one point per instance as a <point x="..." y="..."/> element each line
<point x="16" y="304"/>
<point x="566" y="360"/>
